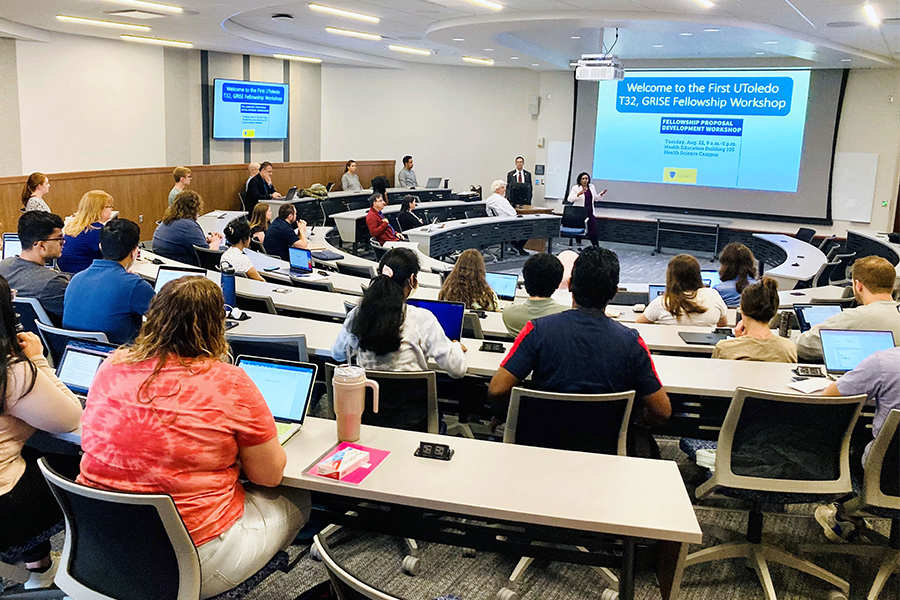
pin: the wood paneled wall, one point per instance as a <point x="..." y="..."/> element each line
<point x="144" y="192"/>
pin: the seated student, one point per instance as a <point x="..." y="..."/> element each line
<point x="407" y="218"/>
<point x="285" y="232"/>
<point x="105" y="296"/>
<point x="582" y="351"/>
<point x="260" y="185"/>
<point x="737" y="270"/>
<point x="42" y="239"/>
<point x="498" y="206"/>
<point x="873" y="281"/>
<point x="753" y="339"/>
<point x="379" y="227"/>
<point x="543" y="273"/>
<point x="82" y="232"/>
<point x="878" y="377"/>
<point x="167" y="414"/>
<point x="388" y="335"/>
<point x="182" y="177"/>
<point x="36" y="187"/>
<point x="466" y="283"/>
<point x="237" y="233"/>
<point x="259" y="221"/>
<point x="252" y="171"/>
<point x="178" y="232"/>
<point x="31" y="398"/>
<point x="686" y="301"/>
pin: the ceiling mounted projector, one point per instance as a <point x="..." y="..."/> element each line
<point x="599" y="67"/>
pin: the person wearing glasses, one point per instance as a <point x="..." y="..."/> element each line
<point x="82" y="232"/>
<point x="42" y="240"/>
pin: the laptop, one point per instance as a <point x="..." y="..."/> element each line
<point x="844" y="349"/>
<point x="710" y="278"/>
<point x="449" y="314"/>
<point x="810" y="315"/>
<point x="167" y="274"/>
<point x="656" y="290"/>
<point x="11" y="245"/>
<point x="290" y="194"/>
<point x="287" y="388"/>
<point x="433" y="182"/>
<point x="79" y="363"/>
<point x="504" y="284"/>
<point x="301" y="261"/>
<point x="701" y="339"/>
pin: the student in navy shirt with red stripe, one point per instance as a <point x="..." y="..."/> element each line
<point x="582" y="351"/>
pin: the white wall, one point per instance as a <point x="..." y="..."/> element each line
<point x="464" y="123"/>
<point x="87" y="104"/>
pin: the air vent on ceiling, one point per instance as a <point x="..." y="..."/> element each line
<point x="843" y="24"/>
<point x="136" y="14"/>
<point x="891" y="21"/>
<point x="282" y="17"/>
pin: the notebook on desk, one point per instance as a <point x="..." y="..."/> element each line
<point x="844" y="349"/>
<point x="503" y="284"/>
<point x="287" y="388"/>
<point x="79" y="363"/>
<point x="810" y="315"/>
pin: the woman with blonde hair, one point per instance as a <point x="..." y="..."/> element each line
<point x="260" y="218"/>
<point x="36" y="186"/>
<point x="178" y="232"/>
<point x="82" y="232"/>
<point x="168" y="415"/>
<point x="686" y="301"/>
<point x="466" y="283"/>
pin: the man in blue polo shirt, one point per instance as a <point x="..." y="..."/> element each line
<point x="582" y="351"/>
<point x="105" y="296"/>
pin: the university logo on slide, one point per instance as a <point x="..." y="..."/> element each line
<point x="679" y="175"/>
<point x="248" y="133"/>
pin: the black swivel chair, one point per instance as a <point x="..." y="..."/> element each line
<point x="208" y="258"/>
<point x="364" y="271"/>
<point x="377" y="248"/>
<point x="254" y="303"/>
<point x="331" y="208"/>
<point x="572" y="225"/>
<point x="805" y="234"/>
<point x="357" y="204"/>
<point x="320" y="286"/>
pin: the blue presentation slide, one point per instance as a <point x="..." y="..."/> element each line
<point x="728" y="129"/>
<point x="250" y="110"/>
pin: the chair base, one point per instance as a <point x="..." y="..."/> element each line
<point x="890" y="560"/>
<point x="758" y="556"/>
<point x="411" y="562"/>
<point x="510" y="592"/>
<point x="53" y="593"/>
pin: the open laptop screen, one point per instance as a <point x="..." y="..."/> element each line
<point x="433" y="182"/>
<point x="286" y="385"/>
<point x="11" y="245"/>
<point x="504" y="284"/>
<point x="656" y="290"/>
<point x="300" y="259"/>
<point x="79" y="363"/>
<point x="167" y="274"/>
<point x="449" y="314"/>
<point x="810" y="315"/>
<point x="845" y="349"/>
<point x="710" y="278"/>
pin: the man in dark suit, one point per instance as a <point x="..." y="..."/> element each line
<point x="518" y="184"/>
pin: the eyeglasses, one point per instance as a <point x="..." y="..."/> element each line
<point x="56" y="239"/>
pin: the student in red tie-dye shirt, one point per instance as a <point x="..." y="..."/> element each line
<point x="167" y="414"/>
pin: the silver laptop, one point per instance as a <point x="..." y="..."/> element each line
<point x="11" y="245"/>
<point x="655" y="290"/>
<point x="79" y="363"/>
<point x="433" y="182"/>
<point x="287" y="387"/>
<point x="166" y="274"/>
<point x="844" y="349"/>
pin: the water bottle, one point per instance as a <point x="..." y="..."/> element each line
<point x="349" y="384"/>
<point x="228" y="289"/>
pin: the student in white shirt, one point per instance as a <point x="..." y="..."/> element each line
<point x="686" y="301"/>
<point x="237" y="233"/>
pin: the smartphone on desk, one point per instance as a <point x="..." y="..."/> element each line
<point x="270" y="269"/>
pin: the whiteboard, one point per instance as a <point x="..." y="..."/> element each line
<point x="558" y="154"/>
<point x="853" y="186"/>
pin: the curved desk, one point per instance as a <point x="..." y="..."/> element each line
<point x="352" y="226"/>
<point x="869" y="243"/>
<point x="442" y="239"/>
<point x="395" y="195"/>
<point x="797" y="260"/>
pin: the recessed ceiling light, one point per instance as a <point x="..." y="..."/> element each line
<point x="306" y="59"/>
<point x="657" y="45"/>
<point x="760" y="53"/>
<point x="685" y="33"/>
<point x="576" y="37"/>
<point x="487" y="4"/>
<point x="488" y="49"/>
<point x="712" y="30"/>
<point x="811" y="52"/>
<point x="133" y="13"/>
<point x="97" y="23"/>
<point x="156" y="41"/>
<point x="846" y="60"/>
<point x="478" y="61"/>
<point x="459" y="39"/>
<point x="573" y="64"/>
<point x="151" y="6"/>
<point x="408" y="50"/>
<point x="705" y="3"/>
<point x="344" y="13"/>
<point x="513" y="58"/>
<point x="770" y="42"/>
<point x="872" y="15"/>
<point x="535" y="64"/>
<point x="372" y="37"/>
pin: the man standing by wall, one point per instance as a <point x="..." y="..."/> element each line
<point x="407" y="177"/>
<point x="518" y="184"/>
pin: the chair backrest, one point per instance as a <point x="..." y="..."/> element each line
<point x="828" y="272"/>
<point x="208" y="258"/>
<point x="56" y="338"/>
<point x="330" y="208"/>
<point x="406" y="399"/>
<point x="881" y="481"/>
<point x="625" y="298"/>
<point x="825" y="244"/>
<point x="377" y="248"/>
<point x="329" y="186"/>
<point x="254" y="303"/>
<point x="805" y="234"/>
<point x="29" y="311"/>
<point x="595" y="423"/>
<point x="122" y="545"/>
<point x="367" y="271"/>
<point x="357" y="204"/>
<point x="573" y="217"/>
<point x="472" y="326"/>
<point x="348" y="306"/>
<point x="346" y="585"/>
<point x="844" y="302"/>
<point x="257" y="246"/>
<point x="787" y="443"/>
<point x="242" y="196"/>
<point x="322" y="286"/>
<point x="846" y="259"/>
<point x="284" y="347"/>
<point x="476" y="212"/>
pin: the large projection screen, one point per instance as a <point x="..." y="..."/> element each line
<point x="757" y="144"/>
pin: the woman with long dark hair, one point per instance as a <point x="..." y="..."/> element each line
<point x="31" y="399"/>
<point x="583" y="192"/>
<point x="753" y="339"/>
<point x="350" y="180"/>
<point x="237" y="233"/>
<point x="168" y="414"/>
<point x="686" y="301"/>
<point x="407" y="218"/>
<point x="737" y="270"/>
<point x="467" y="283"/>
